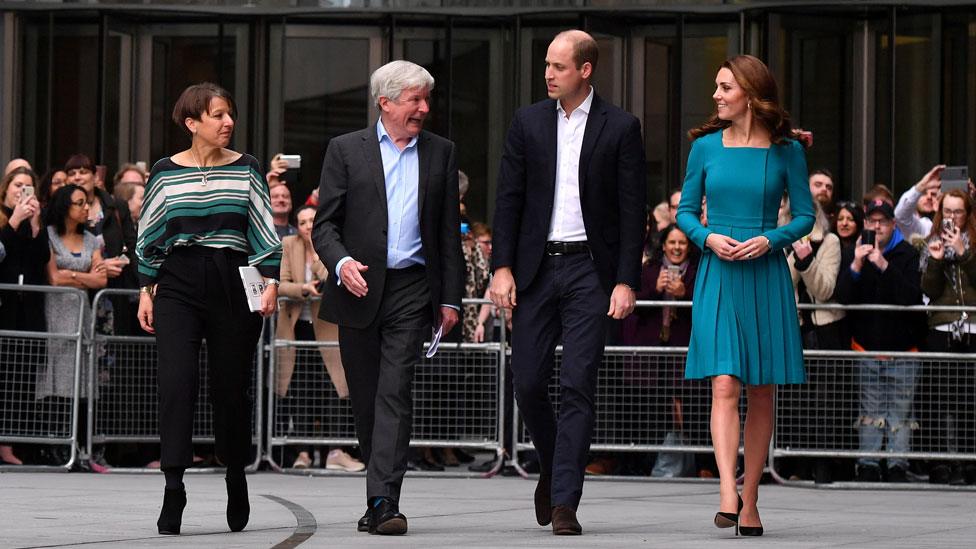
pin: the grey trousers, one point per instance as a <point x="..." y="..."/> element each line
<point x="379" y="361"/>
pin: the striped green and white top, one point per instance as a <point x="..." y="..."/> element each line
<point x="228" y="208"/>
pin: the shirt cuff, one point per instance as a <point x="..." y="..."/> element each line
<point x="855" y="275"/>
<point x="455" y="307"/>
<point x="339" y="267"/>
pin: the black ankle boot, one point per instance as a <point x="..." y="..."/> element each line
<point x="171" y="515"/>
<point x="238" y="508"/>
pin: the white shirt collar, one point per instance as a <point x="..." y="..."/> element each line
<point x="584" y="106"/>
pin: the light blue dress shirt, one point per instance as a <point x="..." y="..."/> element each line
<point x="401" y="171"/>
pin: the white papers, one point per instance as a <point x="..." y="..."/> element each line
<point x="253" y="287"/>
<point x="435" y="341"/>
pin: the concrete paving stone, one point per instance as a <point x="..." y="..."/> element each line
<point x="120" y="510"/>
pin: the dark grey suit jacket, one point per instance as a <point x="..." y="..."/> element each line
<point x="352" y="221"/>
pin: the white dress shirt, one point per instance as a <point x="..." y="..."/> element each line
<point x="566" y="224"/>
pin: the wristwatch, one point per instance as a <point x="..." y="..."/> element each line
<point x="150" y="290"/>
<point x="270" y="281"/>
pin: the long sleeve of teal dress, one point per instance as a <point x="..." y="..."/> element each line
<point x="744" y="320"/>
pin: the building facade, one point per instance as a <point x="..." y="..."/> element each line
<point x="888" y="89"/>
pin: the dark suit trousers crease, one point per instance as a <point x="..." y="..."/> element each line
<point x="199" y="296"/>
<point x="379" y="362"/>
<point x="566" y="299"/>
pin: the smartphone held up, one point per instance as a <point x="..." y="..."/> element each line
<point x="868" y="236"/>
<point x="953" y="178"/>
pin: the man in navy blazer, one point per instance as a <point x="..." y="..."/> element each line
<point x="568" y="234"/>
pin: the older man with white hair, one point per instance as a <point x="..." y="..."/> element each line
<point x="387" y="225"/>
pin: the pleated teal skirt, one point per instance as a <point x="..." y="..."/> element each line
<point x="744" y="319"/>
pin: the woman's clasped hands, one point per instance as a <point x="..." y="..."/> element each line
<point x="730" y="249"/>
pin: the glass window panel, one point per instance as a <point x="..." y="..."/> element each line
<point x="319" y="106"/>
<point x="538" y="76"/>
<point x="112" y="103"/>
<point x="69" y="124"/>
<point x="816" y="88"/>
<point x="431" y="54"/>
<point x="605" y="77"/>
<point x="917" y="89"/>
<point x="179" y="61"/>
<point x="468" y="118"/>
<point x="657" y="84"/>
<point x="821" y="104"/>
<point x="959" y="112"/>
<point x="706" y="47"/>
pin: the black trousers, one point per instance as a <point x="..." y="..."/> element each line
<point x="566" y="299"/>
<point x="379" y="361"/>
<point x="200" y="296"/>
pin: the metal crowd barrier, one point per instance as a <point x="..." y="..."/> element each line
<point x="40" y="373"/>
<point x="123" y="382"/>
<point x="456" y="397"/>
<point x="643" y="402"/>
<point x="640" y="393"/>
<point x="640" y="397"/>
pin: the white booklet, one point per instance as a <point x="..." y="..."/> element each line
<point x="253" y="286"/>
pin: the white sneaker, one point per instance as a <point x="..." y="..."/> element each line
<point x="338" y="460"/>
<point x="302" y="461"/>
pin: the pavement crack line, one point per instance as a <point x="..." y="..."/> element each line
<point x="305" y="527"/>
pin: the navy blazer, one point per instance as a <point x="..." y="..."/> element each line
<point x="613" y="192"/>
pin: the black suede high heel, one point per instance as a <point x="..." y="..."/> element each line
<point x="171" y="515"/>
<point x="728" y="520"/>
<point x="753" y="531"/>
<point x="238" y="507"/>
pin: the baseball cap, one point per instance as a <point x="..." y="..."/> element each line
<point x="878" y="205"/>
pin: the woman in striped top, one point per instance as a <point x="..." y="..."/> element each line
<point x="206" y="212"/>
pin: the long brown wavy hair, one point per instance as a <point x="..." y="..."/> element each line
<point x="5" y="184"/>
<point x="970" y="215"/>
<point x="755" y="79"/>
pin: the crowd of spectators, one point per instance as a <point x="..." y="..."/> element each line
<point x="73" y="229"/>
<point x="875" y="251"/>
<point x="66" y="230"/>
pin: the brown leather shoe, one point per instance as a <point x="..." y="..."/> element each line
<point x="543" y="500"/>
<point x="564" y="521"/>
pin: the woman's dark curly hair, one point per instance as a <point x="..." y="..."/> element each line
<point x="755" y="79"/>
<point x="57" y="210"/>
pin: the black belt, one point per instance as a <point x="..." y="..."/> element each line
<point x="566" y="248"/>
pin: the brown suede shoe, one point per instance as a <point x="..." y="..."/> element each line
<point x="564" y="521"/>
<point x="543" y="500"/>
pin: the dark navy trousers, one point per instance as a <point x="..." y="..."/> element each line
<point x="565" y="303"/>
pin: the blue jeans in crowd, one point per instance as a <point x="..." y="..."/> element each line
<point x="887" y="390"/>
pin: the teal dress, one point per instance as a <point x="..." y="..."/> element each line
<point x="744" y="320"/>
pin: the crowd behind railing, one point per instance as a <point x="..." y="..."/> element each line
<point x="76" y="228"/>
